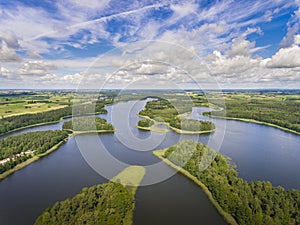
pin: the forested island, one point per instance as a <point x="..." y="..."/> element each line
<point x="161" y="111"/>
<point x="247" y="202"/>
<point x="110" y="203"/>
<point x="105" y="204"/>
<point x="88" y="124"/>
<point x="20" y="148"/>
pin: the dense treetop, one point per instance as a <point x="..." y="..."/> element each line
<point x="88" y="124"/>
<point x="21" y="147"/>
<point x="248" y="202"/>
<point x="105" y="204"/>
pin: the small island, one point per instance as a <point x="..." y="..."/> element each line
<point x="161" y="111"/>
<point x="88" y="125"/>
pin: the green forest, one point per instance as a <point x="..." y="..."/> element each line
<point x="162" y="110"/>
<point x="14" y="122"/>
<point x="105" y="204"/>
<point x="145" y="123"/>
<point x="88" y="124"/>
<point x="278" y="109"/>
<point x="37" y="142"/>
<point x="192" y="125"/>
<point x="248" y="202"/>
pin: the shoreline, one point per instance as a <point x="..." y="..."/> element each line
<point x="31" y="160"/>
<point x="178" y="131"/>
<point x="226" y="216"/>
<point x="257" y="122"/>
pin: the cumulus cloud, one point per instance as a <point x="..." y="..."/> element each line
<point x="230" y="66"/>
<point x="36" y="68"/>
<point x="285" y="58"/>
<point x="149" y="69"/>
<point x="241" y="47"/>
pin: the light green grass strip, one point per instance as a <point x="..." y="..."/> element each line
<point x="130" y="177"/>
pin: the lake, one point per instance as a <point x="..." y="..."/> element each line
<point x="260" y="152"/>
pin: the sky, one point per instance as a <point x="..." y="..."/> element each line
<point x="149" y="44"/>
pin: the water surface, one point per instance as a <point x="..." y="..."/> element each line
<point x="260" y="152"/>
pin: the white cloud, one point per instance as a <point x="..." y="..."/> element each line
<point x="9" y="38"/>
<point x="4" y="73"/>
<point x="288" y="40"/>
<point x="8" y="54"/>
<point x="151" y="69"/>
<point x="36" y="68"/>
<point x="286" y="58"/>
<point x="241" y="47"/>
<point x="297" y="39"/>
<point x="235" y="65"/>
<point x="98" y="4"/>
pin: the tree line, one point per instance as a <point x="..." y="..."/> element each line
<point x="37" y="142"/>
<point x="248" y="202"/>
<point x="278" y="110"/>
<point x="192" y="125"/>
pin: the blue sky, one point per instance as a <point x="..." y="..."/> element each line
<point x="51" y="44"/>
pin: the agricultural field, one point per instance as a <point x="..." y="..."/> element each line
<point x="16" y="103"/>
